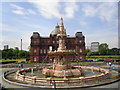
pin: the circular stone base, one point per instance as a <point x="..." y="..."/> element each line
<point x="61" y="73"/>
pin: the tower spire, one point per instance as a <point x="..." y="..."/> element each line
<point x="61" y="21"/>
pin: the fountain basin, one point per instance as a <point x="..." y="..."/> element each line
<point x="31" y="79"/>
<point x="62" y="73"/>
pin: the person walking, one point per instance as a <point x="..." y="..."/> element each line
<point x="19" y="66"/>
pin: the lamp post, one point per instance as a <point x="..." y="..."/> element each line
<point x="54" y="84"/>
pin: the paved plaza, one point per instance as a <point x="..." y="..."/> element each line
<point x="113" y="86"/>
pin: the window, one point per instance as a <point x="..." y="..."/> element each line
<point x="40" y="50"/>
<point x="80" y="50"/>
<point x="50" y="48"/>
<point x="44" y="50"/>
<point x="35" y="42"/>
<point x="53" y="42"/>
<point x="34" y="59"/>
<point x="80" y="58"/>
<point x="34" y="50"/>
<point x="80" y="41"/>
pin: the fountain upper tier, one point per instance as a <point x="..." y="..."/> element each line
<point x="61" y="36"/>
<point x="60" y="52"/>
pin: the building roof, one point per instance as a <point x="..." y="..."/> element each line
<point x="79" y="34"/>
<point x="35" y="35"/>
<point x="55" y="31"/>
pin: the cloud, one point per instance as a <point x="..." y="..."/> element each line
<point x="105" y="11"/>
<point x="16" y="6"/>
<point x="22" y="11"/>
<point x="19" y="12"/>
<point x="30" y="11"/>
<point x="62" y="0"/>
<point x="70" y="9"/>
<point x="47" y="9"/>
<point x="52" y="9"/>
<point x="89" y="10"/>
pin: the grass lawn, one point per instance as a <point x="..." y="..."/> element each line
<point x="7" y="60"/>
<point x="102" y="57"/>
<point x="93" y="63"/>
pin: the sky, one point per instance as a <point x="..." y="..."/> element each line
<point x="98" y="21"/>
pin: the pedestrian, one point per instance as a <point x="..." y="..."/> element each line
<point x="110" y="65"/>
<point x="19" y="65"/>
<point x="113" y="66"/>
<point x="54" y="84"/>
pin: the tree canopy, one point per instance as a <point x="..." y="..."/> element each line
<point x="104" y="50"/>
<point x="14" y="53"/>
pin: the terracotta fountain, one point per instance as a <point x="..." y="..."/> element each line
<point x="62" y="64"/>
<point x="70" y="76"/>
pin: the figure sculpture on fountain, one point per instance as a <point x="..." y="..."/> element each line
<point x="61" y="36"/>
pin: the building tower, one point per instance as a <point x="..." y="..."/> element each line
<point x="21" y="44"/>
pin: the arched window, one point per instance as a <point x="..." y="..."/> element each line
<point x="35" y="59"/>
<point x="80" y="50"/>
<point x="80" y="58"/>
<point x="40" y="50"/>
<point x="50" y="48"/>
<point x="44" y="51"/>
<point x="34" y="50"/>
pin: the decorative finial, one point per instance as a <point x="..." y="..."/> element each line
<point x="61" y="18"/>
<point x="61" y="21"/>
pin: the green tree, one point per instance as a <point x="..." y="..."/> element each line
<point x="10" y="53"/>
<point x="103" y="48"/>
<point x="0" y="54"/>
<point x="95" y="53"/>
<point x="16" y="51"/>
<point x="87" y="52"/>
<point x="113" y="51"/>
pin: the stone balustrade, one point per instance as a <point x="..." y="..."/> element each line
<point x="105" y="73"/>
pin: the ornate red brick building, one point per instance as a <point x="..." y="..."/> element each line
<point x="41" y="45"/>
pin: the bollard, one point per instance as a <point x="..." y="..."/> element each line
<point x="34" y="79"/>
